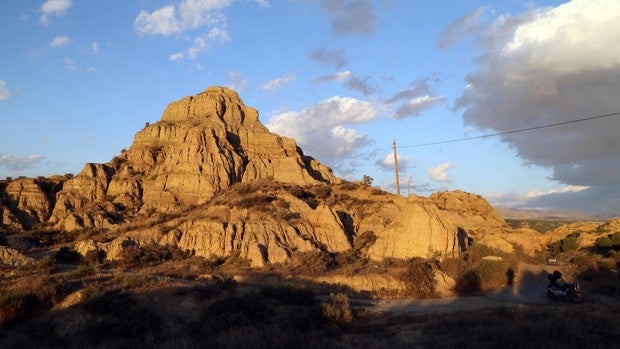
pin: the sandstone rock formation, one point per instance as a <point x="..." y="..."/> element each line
<point x="202" y="145"/>
<point x="13" y="257"/>
<point x="211" y="179"/>
<point x="25" y="204"/>
<point x="417" y="229"/>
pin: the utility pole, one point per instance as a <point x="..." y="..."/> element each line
<point x="396" y="168"/>
<point x="409" y="185"/>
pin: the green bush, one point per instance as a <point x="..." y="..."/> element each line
<point x="615" y="238"/>
<point x="604" y="242"/>
<point x="337" y="309"/>
<point x="569" y="243"/>
<point x="609" y="241"/>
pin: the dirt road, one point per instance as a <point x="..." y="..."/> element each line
<point x="530" y="287"/>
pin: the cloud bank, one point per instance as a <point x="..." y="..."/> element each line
<point x="18" y="163"/>
<point x="322" y="129"/>
<point x="552" y="65"/>
<point x="353" y="17"/>
<point x="54" y="8"/>
<point x="4" y="91"/>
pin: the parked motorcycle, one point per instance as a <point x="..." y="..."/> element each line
<point x="571" y="291"/>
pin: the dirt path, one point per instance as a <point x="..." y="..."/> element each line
<point x="530" y="287"/>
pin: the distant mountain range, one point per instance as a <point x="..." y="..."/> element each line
<point x="512" y="213"/>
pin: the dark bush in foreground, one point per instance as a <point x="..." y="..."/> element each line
<point x="337" y="309"/>
<point x="15" y="307"/>
<point x="290" y="295"/>
<point x="419" y="277"/>
<point x="152" y="254"/>
<point x="66" y="255"/>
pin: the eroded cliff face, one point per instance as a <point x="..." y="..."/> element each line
<point x="23" y="204"/>
<point x="275" y="221"/>
<point x="202" y="145"/>
<point x="211" y="179"/>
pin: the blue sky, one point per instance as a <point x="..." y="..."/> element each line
<point x="343" y="77"/>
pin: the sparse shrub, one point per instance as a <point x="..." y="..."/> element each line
<point x="419" y="277"/>
<point x="237" y="311"/>
<point x="45" y="265"/>
<point x="313" y="263"/>
<point x="50" y="290"/>
<point x="468" y="283"/>
<point x="14" y="307"/>
<point x="494" y="274"/>
<point x="364" y="240"/>
<point x="569" y="243"/>
<point x="366" y="181"/>
<point x="348" y="186"/>
<point x="323" y="192"/>
<point x="609" y="241"/>
<point x="342" y="197"/>
<point x="215" y="286"/>
<point x="454" y="267"/>
<point x="290" y="295"/>
<point x="603" y="242"/>
<point x="615" y="238"/>
<point x="95" y="257"/>
<point x="152" y="254"/>
<point x="377" y="191"/>
<point x="121" y="322"/>
<point x="255" y="200"/>
<point x="245" y="188"/>
<point x="337" y="309"/>
<point x="66" y="255"/>
<point x="296" y="191"/>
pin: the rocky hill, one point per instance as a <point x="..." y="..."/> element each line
<point x="211" y="179"/>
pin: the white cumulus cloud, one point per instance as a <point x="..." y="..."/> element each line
<point x="439" y="173"/>
<point x="387" y="163"/>
<point x="18" y="163"/>
<point x="188" y="14"/>
<point x="551" y="65"/>
<point x="4" y="91"/>
<point x="59" y="41"/>
<point x="56" y="8"/>
<point x="278" y="83"/>
<point x="414" y="99"/>
<point x="322" y="130"/>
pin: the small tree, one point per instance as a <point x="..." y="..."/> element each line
<point x="367" y="181"/>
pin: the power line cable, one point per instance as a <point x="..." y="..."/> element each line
<point x="509" y="132"/>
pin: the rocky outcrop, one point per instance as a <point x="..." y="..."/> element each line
<point x="25" y="204"/>
<point x="468" y="210"/>
<point x="417" y="230"/>
<point x="211" y="179"/>
<point x="13" y="257"/>
<point x="202" y="145"/>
